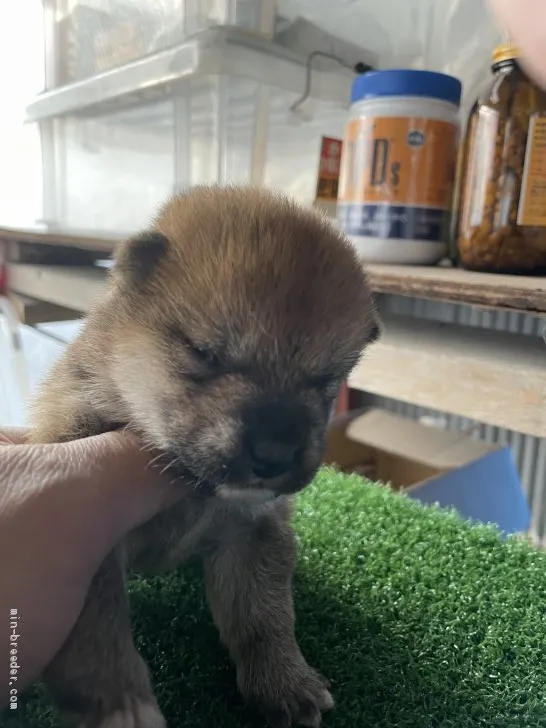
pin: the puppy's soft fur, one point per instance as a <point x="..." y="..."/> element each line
<point x="223" y="337"/>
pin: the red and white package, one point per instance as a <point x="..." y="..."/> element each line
<point x="3" y="269"/>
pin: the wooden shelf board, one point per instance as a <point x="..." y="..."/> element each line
<point x="520" y="293"/>
<point x="515" y="293"/>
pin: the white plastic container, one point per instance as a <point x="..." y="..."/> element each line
<point x="216" y="108"/>
<point x="86" y="37"/>
<point x="398" y="166"/>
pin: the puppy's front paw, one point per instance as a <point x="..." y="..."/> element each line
<point x="288" y="693"/>
<point x="136" y="714"/>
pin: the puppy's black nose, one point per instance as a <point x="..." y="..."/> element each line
<point x="271" y="459"/>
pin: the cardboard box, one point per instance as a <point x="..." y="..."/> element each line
<point x="431" y="465"/>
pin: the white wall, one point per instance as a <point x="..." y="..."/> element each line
<point x="22" y="77"/>
<point x="453" y="36"/>
<point x="19" y="379"/>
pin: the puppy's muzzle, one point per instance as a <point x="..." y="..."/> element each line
<point x="270" y="458"/>
<point x="276" y="434"/>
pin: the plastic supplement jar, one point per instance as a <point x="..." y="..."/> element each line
<point x="398" y="166"/>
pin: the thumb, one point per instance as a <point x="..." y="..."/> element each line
<point x="127" y="479"/>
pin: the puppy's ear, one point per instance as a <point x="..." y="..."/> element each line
<point x="376" y="331"/>
<point x="137" y="258"/>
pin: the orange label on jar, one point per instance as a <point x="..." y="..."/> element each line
<point x="397" y="177"/>
<point x="532" y="202"/>
<point x="410" y="161"/>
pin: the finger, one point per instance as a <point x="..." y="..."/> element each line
<point x="13" y="435"/>
<point x="119" y="470"/>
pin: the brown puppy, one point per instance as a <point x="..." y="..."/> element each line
<point x="222" y="339"/>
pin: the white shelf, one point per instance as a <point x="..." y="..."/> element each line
<point x="492" y="377"/>
<point x="215" y="52"/>
<point x="73" y="288"/>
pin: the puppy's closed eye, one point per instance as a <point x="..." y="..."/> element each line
<point x="206" y="356"/>
<point x="206" y="359"/>
<point x="326" y="385"/>
<point x="324" y="381"/>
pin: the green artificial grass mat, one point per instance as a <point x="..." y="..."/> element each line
<point x="419" y="619"/>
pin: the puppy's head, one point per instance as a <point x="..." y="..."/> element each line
<point x="239" y="315"/>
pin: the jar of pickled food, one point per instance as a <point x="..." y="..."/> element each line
<point x="502" y="212"/>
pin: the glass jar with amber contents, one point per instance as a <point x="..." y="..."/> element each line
<point x="502" y="212"/>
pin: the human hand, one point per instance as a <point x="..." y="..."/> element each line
<point x="525" y="21"/>
<point x="63" y="507"/>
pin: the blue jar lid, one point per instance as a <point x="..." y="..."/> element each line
<point x="428" y="84"/>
